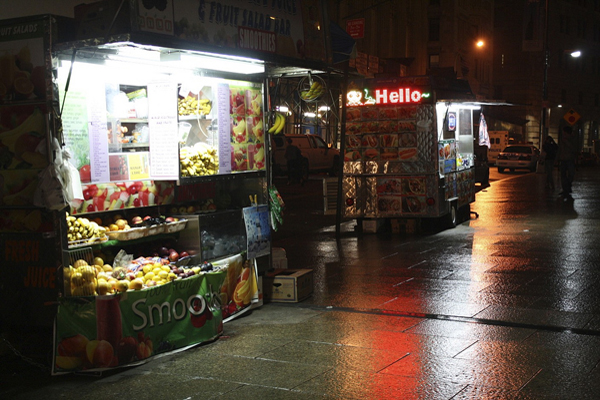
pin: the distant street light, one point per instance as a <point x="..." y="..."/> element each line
<point x="480" y="43"/>
<point x="575" y="53"/>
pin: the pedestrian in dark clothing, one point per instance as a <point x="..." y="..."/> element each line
<point x="550" y="148"/>
<point x="293" y="155"/>
<point x="567" y="154"/>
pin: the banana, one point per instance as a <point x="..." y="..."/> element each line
<point x="314" y="92"/>
<point x="276" y="123"/>
<point x="281" y="124"/>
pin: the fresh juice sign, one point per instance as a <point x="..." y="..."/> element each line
<point x="384" y="96"/>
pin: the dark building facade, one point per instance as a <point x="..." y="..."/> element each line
<point x="418" y="37"/>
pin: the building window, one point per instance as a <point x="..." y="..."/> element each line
<point x="498" y="92"/>
<point x="434" y="29"/>
<point x="565" y="25"/>
<point x="563" y="96"/>
<point x="434" y="60"/>
<point x="581" y="28"/>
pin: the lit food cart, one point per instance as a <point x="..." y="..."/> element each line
<point x="408" y="152"/>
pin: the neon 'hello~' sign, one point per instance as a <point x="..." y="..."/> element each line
<point x="384" y="97"/>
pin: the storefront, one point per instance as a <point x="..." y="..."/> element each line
<point x="147" y="195"/>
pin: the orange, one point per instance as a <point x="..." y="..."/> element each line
<point x="23" y="86"/>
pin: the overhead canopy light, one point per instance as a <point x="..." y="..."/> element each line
<point x="183" y="59"/>
<point x="199" y="60"/>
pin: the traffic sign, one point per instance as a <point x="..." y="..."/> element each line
<point x="356" y="28"/>
<point x="571" y="117"/>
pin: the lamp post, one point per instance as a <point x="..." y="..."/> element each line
<point x="543" y="133"/>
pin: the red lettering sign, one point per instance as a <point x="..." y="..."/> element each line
<point x="384" y="97"/>
<point x="356" y="28"/>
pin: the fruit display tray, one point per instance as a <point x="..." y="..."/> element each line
<point x="129" y="234"/>
<point x="86" y="242"/>
<point x="177" y="226"/>
<point x="155" y="229"/>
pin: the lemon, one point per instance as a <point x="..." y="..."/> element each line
<point x="149" y="276"/>
<point x="136" y="284"/>
<point x="77" y="279"/>
<point x="122" y="285"/>
<point x="103" y="287"/>
<point x="147" y="268"/>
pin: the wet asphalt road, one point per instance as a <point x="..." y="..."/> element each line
<point x="504" y="306"/>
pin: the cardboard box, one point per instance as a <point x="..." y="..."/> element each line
<point x="288" y="285"/>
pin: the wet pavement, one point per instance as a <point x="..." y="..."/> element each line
<point x="504" y="306"/>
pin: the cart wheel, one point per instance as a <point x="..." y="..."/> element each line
<point x="452" y="217"/>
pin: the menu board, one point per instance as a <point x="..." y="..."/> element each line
<point x="381" y="134"/>
<point x="162" y="124"/>
<point x="447" y="156"/>
<point x="223" y="109"/>
<point x="97" y="133"/>
<point x="401" y="195"/>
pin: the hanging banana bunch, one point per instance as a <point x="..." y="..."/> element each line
<point x="314" y="92"/>
<point x="278" y="124"/>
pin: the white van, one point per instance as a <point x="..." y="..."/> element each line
<point x="498" y="141"/>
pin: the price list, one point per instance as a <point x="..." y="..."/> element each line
<point x="223" y="108"/>
<point x="162" y="123"/>
<point x="97" y="132"/>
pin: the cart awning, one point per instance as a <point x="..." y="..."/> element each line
<point x="343" y="46"/>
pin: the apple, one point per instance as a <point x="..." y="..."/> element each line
<point x="170" y="219"/>
<point x="147" y="217"/>
<point x="173" y="256"/>
<point x="183" y="254"/>
<point x="126" y="349"/>
<point x="163" y="251"/>
<point x="137" y="220"/>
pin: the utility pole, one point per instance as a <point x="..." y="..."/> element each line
<point x="543" y="122"/>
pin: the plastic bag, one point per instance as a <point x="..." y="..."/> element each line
<point x="49" y="193"/>
<point x="71" y="178"/>
<point x="59" y="183"/>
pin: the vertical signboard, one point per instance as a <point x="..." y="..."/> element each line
<point x="162" y="122"/>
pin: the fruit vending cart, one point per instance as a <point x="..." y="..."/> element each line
<point x="159" y="217"/>
<point x="408" y="152"/>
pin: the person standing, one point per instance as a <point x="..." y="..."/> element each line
<point x="293" y="155"/>
<point x="550" y="149"/>
<point x="567" y="154"/>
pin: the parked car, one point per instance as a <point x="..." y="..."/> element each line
<point x="586" y="159"/>
<point x="518" y="156"/>
<point x="317" y="155"/>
